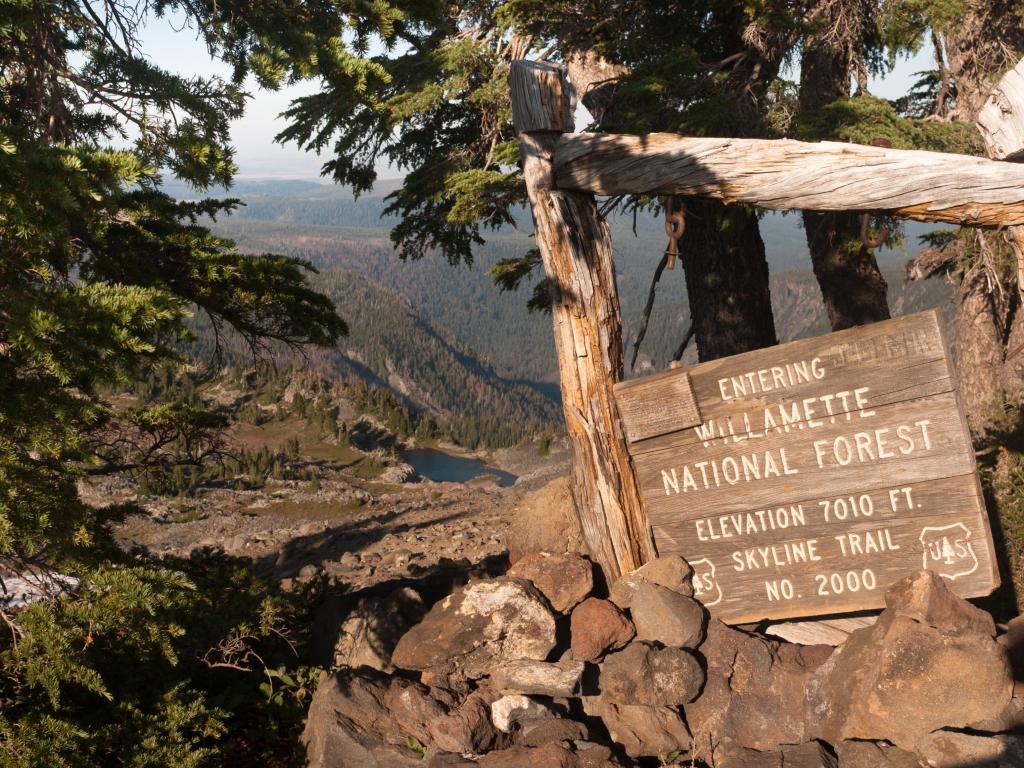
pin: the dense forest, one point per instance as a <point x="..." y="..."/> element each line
<point x="330" y="229"/>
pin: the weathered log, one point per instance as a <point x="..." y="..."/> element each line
<point x="783" y="175"/>
<point x="576" y="250"/>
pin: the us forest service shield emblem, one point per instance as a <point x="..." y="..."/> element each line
<point x="948" y="550"/>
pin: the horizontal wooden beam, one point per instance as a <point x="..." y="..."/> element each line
<point x="784" y="175"/>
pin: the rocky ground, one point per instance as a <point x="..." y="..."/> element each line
<point x="533" y="668"/>
<point x="352" y="531"/>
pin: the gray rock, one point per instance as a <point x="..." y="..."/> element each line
<point x="565" y="579"/>
<point x="671" y="572"/>
<point x="538" y="677"/>
<point x="545" y="521"/>
<point x="366" y="636"/>
<point x="667" y="617"/>
<point x="642" y="673"/>
<point x="480" y="626"/>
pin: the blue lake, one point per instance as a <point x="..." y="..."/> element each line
<point x="443" y="467"/>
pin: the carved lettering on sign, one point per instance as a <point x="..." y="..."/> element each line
<point x="820" y="472"/>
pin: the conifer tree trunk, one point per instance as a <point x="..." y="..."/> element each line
<point x="726" y="279"/>
<point x="852" y="286"/>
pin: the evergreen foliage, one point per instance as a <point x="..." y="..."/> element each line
<point x="99" y="273"/>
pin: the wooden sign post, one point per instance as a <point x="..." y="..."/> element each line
<point x="804" y="479"/>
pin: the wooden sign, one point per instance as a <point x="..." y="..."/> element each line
<point x="804" y="479"/>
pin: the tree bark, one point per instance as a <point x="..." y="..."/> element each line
<point x="726" y="280"/>
<point x="575" y="247"/>
<point x="852" y="287"/>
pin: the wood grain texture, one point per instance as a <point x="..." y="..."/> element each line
<point x="784" y="175"/>
<point x="896" y="360"/>
<point x="677" y="405"/>
<point x="575" y="247"/>
<point x="542" y="99"/>
<point x="831" y="455"/>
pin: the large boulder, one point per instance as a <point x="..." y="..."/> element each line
<point x="903" y="678"/>
<point x="596" y="627"/>
<point x="351" y="722"/>
<point x="565" y="579"/>
<point x="545" y="521"/>
<point x="640" y="731"/>
<point x="670" y="571"/>
<point x="643" y="673"/>
<point x="478" y="627"/>
<point x="667" y="617"/>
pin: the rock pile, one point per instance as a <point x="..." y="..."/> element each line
<point x="533" y="669"/>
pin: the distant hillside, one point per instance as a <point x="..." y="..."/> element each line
<point x="325" y="225"/>
<point x="391" y="347"/>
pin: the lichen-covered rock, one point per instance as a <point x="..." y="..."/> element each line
<point x="479" y="626"/>
<point x="925" y="597"/>
<point x="512" y="708"/>
<point x="598" y="626"/>
<point x="641" y="731"/>
<point x="670" y="571"/>
<point x="755" y="691"/>
<point x="539" y="677"/>
<point x="565" y="579"/>
<point x="949" y="749"/>
<point x="642" y="673"/>
<point x="667" y="617"/>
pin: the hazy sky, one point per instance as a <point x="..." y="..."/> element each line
<point x="257" y="156"/>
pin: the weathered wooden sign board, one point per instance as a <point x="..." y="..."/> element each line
<point x="804" y="479"/>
